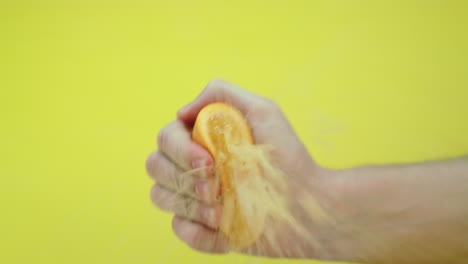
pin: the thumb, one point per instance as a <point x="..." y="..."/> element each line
<point x="217" y="91"/>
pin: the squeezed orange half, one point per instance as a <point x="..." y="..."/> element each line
<point x="220" y="128"/>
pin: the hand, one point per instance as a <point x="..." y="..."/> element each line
<point x="192" y="196"/>
<point x="412" y="213"/>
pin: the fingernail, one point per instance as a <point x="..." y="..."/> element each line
<point x="199" y="163"/>
<point x="202" y="190"/>
<point x="209" y="214"/>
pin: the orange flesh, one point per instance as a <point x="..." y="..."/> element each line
<point x="220" y="128"/>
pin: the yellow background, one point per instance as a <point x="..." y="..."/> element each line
<point x="86" y="85"/>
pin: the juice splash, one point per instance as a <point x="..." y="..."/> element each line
<point x="254" y="193"/>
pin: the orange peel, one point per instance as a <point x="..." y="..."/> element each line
<point x="220" y="128"/>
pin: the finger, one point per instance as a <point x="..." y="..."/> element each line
<point x="199" y="237"/>
<point x="161" y="169"/>
<point x="203" y="213"/>
<point x="174" y="140"/>
<point x="196" y="183"/>
<point x="217" y="91"/>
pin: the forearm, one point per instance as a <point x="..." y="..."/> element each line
<point x="405" y="214"/>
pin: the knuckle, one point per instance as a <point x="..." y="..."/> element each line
<point x="160" y="169"/>
<point x="207" y="244"/>
<point x="162" y="137"/>
<point x="219" y="245"/>
<point x="151" y="164"/>
<point x="155" y="194"/>
<point x="215" y="84"/>
<point x="268" y="104"/>
<point x="160" y="197"/>
<point x="265" y="108"/>
<point x="216" y="87"/>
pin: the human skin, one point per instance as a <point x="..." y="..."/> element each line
<point x="409" y="213"/>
